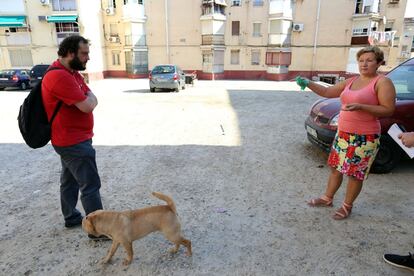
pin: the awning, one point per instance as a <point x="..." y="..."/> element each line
<point x="61" y="18"/>
<point x="220" y="2"/>
<point x="13" y="21"/>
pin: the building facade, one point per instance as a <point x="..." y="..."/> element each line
<point x="219" y="39"/>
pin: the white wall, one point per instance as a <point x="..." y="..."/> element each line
<point x="90" y="17"/>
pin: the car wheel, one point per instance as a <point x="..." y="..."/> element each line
<point x="152" y="89"/>
<point x="388" y="156"/>
<point x="23" y="86"/>
<point x="177" y="89"/>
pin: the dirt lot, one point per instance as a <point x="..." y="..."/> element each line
<point x="235" y="158"/>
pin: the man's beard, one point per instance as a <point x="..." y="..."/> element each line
<point x="76" y="64"/>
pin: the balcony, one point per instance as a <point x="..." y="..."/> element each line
<point x="135" y="40"/>
<point x="212" y="39"/>
<point x="14" y="39"/>
<point x="134" y="12"/>
<point x="279" y="40"/>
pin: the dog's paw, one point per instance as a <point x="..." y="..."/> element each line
<point x="105" y="261"/>
<point x="126" y="262"/>
<point x="173" y="250"/>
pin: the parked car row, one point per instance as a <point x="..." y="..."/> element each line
<point x="22" y="78"/>
<point x="322" y="122"/>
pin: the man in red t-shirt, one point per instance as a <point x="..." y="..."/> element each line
<point x="72" y="129"/>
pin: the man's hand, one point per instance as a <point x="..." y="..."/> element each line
<point x="407" y="138"/>
<point x="89" y="104"/>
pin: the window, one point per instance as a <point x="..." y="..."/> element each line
<point x="207" y="58"/>
<point x="278" y="58"/>
<point x="255" y="57"/>
<point x="113" y="29"/>
<point x="235" y="28"/>
<point x="64" y="5"/>
<point x="112" y="3"/>
<point x="116" y="58"/>
<point x="235" y="57"/>
<point x="64" y="30"/>
<point x="136" y="62"/>
<point x="21" y="58"/>
<point x="256" y="29"/>
<point x="388" y="26"/>
<point x="360" y="32"/>
<point x="126" y="2"/>
<point x="257" y="3"/>
<point x="236" y="3"/>
<point x="358" y="6"/>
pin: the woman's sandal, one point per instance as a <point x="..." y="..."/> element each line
<point x="322" y="201"/>
<point x="343" y="212"/>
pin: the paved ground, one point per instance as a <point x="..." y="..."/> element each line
<point x="235" y="158"/>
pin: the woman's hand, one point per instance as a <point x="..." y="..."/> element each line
<point x="407" y="139"/>
<point x="352" y="107"/>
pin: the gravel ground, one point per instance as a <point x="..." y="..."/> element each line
<point x="234" y="157"/>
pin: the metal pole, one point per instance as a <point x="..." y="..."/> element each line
<point x="316" y="37"/>
<point x="167" y="41"/>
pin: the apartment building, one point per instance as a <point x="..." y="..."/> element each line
<point x="219" y="39"/>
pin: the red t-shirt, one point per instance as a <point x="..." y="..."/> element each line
<point x="70" y="126"/>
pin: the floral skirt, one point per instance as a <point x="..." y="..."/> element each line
<point x="353" y="154"/>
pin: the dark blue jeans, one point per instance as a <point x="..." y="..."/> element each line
<point x="79" y="173"/>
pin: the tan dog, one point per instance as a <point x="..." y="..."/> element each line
<point x="125" y="227"/>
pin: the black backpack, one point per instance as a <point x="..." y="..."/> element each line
<point x="33" y="123"/>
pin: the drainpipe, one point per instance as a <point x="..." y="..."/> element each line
<point x="167" y="41"/>
<point x="316" y="37"/>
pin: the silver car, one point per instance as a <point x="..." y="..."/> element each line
<point x="167" y="76"/>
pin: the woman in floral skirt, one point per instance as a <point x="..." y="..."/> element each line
<point x="364" y="99"/>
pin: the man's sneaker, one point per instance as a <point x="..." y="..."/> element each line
<point x="73" y="224"/>
<point x="400" y="261"/>
<point x="100" y="238"/>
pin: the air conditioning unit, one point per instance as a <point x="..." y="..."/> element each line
<point x="110" y="11"/>
<point x="297" y="27"/>
<point x="44" y="2"/>
<point x="114" y="39"/>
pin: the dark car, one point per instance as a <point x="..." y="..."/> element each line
<point x="167" y="76"/>
<point x="322" y="122"/>
<point x="14" y="78"/>
<point x="36" y="73"/>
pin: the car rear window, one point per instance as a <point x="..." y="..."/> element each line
<point x="7" y="72"/>
<point x="165" y="69"/>
<point x="403" y="80"/>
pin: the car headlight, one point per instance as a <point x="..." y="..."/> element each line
<point x="334" y="120"/>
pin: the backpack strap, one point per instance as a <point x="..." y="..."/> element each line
<point x="60" y="102"/>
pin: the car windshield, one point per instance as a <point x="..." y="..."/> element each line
<point x="165" y="69"/>
<point x="403" y="79"/>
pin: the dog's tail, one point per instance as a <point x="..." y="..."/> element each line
<point x="167" y="199"/>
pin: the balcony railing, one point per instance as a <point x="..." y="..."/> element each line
<point x="18" y="39"/>
<point x="133" y="11"/>
<point x="212" y="39"/>
<point x="136" y="68"/>
<point x="135" y="40"/>
<point x="280" y="40"/>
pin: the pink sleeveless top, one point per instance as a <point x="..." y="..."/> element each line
<point x="359" y="122"/>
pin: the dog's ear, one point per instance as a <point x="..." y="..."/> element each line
<point x="90" y="219"/>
